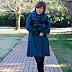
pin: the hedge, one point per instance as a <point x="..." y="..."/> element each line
<point x="10" y="20"/>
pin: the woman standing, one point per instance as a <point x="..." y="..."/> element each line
<point x="38" y="25"/>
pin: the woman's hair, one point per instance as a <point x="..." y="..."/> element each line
<point x="40" y="4"/>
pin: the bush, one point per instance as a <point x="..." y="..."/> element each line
<point x="10" y="20"/>
<point x="61" y="24"/>
<point x="7" y="20"/>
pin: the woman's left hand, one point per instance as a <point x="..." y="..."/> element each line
<point x="41" y="34"/>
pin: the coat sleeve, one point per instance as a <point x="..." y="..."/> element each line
<point x="29" y="28"/>
<point x="47" y="30"/>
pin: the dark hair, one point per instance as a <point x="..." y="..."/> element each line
<point x="40" y="4"/>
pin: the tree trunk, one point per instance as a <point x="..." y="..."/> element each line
<point x="71" y="24"/>
<point x="17" y="22"/>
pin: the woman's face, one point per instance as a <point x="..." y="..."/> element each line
<point x="39" y="10"/>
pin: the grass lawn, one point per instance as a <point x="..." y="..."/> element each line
<point x="8" y="41"/>
<point x="61" y="44"/>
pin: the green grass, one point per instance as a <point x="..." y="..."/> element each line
<point x="10" y="39"/>
<point x="61" y="44"/>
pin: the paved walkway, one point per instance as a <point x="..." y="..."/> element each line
<point x="24" y="29"/>
<point x="17" y="61"/>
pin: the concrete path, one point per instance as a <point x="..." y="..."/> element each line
<point x="17" y="61"/>
<point x="24" y="29"/>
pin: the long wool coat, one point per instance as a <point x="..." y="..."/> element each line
<point x="37" y="45"/>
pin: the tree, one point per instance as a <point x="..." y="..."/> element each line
<point x="17" y="7"/>
<point x="68" y="4"/>
<point x="56" y="10"/>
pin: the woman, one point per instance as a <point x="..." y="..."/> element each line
<point x="38" y="25"/>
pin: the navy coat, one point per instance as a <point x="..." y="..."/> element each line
<point x="37" y="45"/>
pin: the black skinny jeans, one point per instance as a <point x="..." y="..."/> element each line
<point x="40" y="63"/>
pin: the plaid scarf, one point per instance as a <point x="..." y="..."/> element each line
<point x="38" y="22"/>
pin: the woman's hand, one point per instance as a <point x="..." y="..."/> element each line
<point x="41" y="34"/>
